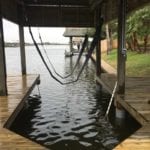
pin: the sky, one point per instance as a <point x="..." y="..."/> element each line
<point x="11" y="33"/>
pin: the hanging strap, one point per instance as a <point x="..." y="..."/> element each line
<point x="93" y="45"/>
<point x="77" y="62"/>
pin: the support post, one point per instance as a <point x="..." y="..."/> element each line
<point x="120" y="113"/>
<point x="121" y="47"/>
<point x="22" y="50"/>
<point x="71" y="46"/>
<point x="3" y="81"/>
<point x="98" y="47"/>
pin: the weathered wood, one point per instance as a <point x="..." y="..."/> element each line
<point x="136" y="102"/>
<point x="19" y="88"/>
<point x="140" y="140"/>
<point x="3" y="85"/>
<point x="137" y="95"/>
<point x="22" y="50"/>
<point x="121" y="47"/>
<point x="98" y="47"/>
<point x="59" y="17"/>
<point x="71" y="44"/>
<point x="11" y="141"/>
<point x="9" y="10"/>
<point x="55" y="2"/>
<point x="51" y="18"/>
<point x="98" y="59"/>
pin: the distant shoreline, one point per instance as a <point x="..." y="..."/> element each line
<point x="8" y="44"/>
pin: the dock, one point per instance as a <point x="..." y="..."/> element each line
<point x="136" y="102"/>
<point x="132" y="93"/>
<point x="19" y="88"/>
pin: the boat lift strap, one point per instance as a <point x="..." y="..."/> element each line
<point x="96" y="39"/>
<point x="85" y="42"/>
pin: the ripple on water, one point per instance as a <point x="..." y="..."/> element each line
<point x="66" y="117"/>
<point x="65" y="121"/>
<point x="90" y="134"/>
<point x="56" y="127"/>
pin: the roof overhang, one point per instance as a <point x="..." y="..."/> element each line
<point x="62" y="13"/>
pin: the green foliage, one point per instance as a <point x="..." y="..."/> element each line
<point x="136" y="65"/>
<point x="137" y="30"/>
<point x="138" y="22"/>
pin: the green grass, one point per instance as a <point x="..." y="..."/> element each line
<point x="136" y="64"/>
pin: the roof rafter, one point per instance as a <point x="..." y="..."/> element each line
<point x="57" y="2"/>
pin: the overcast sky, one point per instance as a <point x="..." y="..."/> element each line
<point x="48" y="34"/>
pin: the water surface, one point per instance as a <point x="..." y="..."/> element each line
<point x="67" y="117"/>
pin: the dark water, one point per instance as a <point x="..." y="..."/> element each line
<point x="67" y="117"/>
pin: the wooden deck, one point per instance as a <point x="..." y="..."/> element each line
<point x="137" y="96"/>
<point x="137" y="103"/>
<point x="19" y="88"/>
<point x="140" y="140"/>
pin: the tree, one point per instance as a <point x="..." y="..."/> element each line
<point x="138" y="29"/>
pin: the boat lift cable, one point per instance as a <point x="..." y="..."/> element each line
<point x="77" y="62"/>
<point x="96" y="38"/>
<point x="38" y="50"/>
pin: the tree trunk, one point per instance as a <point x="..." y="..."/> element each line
<point x="136" y="44"/>
<point x="145" y="43"/>
<point x="130" y="47"/>
<point x="108" y="39"/>
<point x="133" y="44"/>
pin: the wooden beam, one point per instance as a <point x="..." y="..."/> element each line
<point x="9" y="10"/>
<point x="57" y="2"/>
<point x="71" y="44"/>
<point x="3" y="85"/>
<point x="22" y="49"/>
<point x="56" y="17"/>
<point x="121" y="47"/>
<point x="95" y="3"/>
<point x="98" y="47"/>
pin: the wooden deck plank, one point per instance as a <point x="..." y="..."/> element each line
<point x="140" y="140"/>
<point x="137" y="96"/>
<point x="137" y="103"/>
<point x="19" y="88"/>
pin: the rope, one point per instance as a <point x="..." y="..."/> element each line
<point x="93" y="44"/>
<point x="38" y="50"/>
<point x="78" y="59"/>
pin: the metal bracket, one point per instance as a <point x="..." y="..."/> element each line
<point x="124" y="53"/>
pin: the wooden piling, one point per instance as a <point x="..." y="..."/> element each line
<point x="22" y="49"/>
<point x="3" y="85"/>
<point x="121" y="59"/>
<point x="71" y="44"/>
<point x="98" y="47"/>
